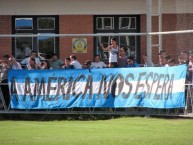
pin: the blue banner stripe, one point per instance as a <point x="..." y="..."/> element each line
<point x="169" y="101"/>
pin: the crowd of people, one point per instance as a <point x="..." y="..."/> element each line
<point x="117" y="59"/>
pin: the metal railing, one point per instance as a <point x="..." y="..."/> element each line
<point x="185" y="111"/>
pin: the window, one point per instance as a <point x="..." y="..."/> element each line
<point x="23" y="45"/>
<point x="105" y="23"/>
<point x="28" y="25"/>
<point x="117" y="24"/>
<point x="127" y="23"/>
<point x="46" y="23"/>
<point x="23" y="24"/>
<point x="131" y="43"/>
<point x="46" y="45"/>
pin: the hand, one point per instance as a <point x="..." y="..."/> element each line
<point x="101" y="45"/>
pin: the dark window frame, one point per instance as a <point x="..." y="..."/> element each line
<point x="35" y="30"/>
<point x="117" y="30"/>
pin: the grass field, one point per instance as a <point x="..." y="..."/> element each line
<point x="121" y="131"/>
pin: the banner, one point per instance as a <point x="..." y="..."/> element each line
<point x="153" y="87"/>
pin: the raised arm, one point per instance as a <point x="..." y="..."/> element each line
<point x="105" y="48"/>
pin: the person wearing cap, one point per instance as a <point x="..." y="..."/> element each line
<point x="131" y="62"/>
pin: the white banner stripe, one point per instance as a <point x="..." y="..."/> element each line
<point x="143" y="86"/>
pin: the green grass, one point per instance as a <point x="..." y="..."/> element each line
<point x="122" y="131"/>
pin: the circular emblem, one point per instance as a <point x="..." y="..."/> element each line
<point x="79" y="45"/>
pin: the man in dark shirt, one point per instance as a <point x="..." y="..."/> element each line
<point x="122" y="60"/>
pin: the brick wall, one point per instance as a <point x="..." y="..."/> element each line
<point x="75" y="24"/>
<point x="5" y="43"/>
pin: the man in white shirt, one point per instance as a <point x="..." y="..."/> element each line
<point x="97" y="63"/>
<point x="74" y="62"/>
<point x="27" y="60"/>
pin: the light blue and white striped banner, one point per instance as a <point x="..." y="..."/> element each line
<point x="153" y="87"/>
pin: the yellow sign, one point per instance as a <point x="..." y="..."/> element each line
<point x="79" y="45"/>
